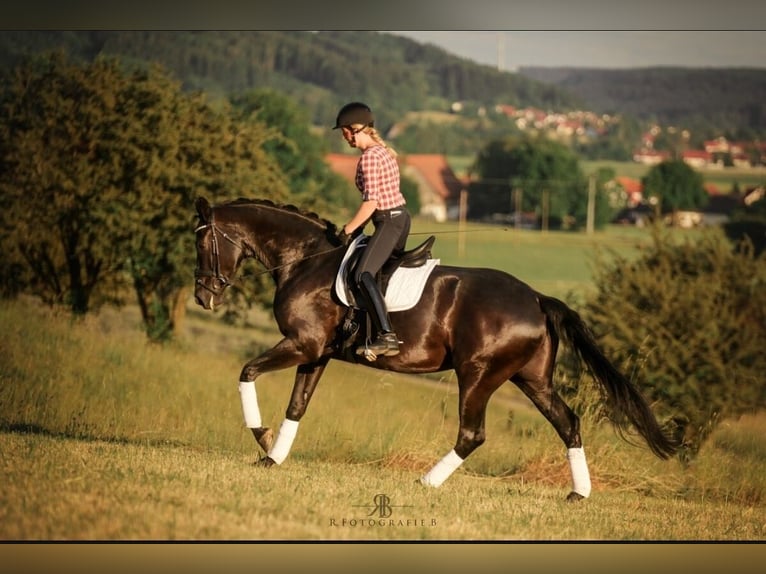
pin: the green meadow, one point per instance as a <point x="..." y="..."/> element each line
<point x="723" y="178"/>
<point x="104" y="436"/>
<point x="557" y="263"/>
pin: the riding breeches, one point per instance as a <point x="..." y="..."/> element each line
<point x="392" y="226"/>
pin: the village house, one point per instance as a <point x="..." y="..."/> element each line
<point x="717" y="153"/>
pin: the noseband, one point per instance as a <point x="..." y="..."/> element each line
<point x="222" y="280"/>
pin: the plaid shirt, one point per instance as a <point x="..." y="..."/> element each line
<point x="377" y="177"/>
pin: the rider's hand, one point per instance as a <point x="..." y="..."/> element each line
<point x="343" y="237"/>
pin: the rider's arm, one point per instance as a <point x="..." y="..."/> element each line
<point x="365" y="211"/>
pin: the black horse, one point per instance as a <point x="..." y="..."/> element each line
<point x="485" y="324"/>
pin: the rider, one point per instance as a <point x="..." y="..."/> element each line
<point x="377" y="178"/>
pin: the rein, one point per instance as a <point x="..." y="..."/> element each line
<point x="222" y="279"/>
<point x="269" y="270"/>
<point x="275" y="268"/>
<point x="460" y="231"/>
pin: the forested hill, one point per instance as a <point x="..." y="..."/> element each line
<point x="732" y="98"/>
<point x="322" y="70"/>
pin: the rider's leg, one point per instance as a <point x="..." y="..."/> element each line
<point x="385" y="343"/>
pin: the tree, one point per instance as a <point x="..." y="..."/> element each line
<point x="102" y="167"/>
<point x="607" y="201"/>
<point x="676" y="186"/>
<point x="56" y="149"/>
<point x="202" y="152"/>
<point x="535" y="166"/>
<point x="299" y="152"/>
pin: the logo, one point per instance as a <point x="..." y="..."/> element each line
<point x="382" y="506"/>
<point x="381" y="514"/>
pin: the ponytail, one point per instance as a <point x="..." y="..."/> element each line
<point x="378" y="139"/>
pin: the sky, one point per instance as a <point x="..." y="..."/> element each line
<point x="510" y="50"/>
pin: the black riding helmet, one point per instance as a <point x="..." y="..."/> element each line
<point x="355" y="113"/>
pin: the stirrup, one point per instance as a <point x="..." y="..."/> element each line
<point x="385" y="345"/>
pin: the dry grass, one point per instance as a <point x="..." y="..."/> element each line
<point x="105" y="437"/>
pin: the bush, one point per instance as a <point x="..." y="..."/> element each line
<point x="749" y="222"/>
<point x="688" y="323"/>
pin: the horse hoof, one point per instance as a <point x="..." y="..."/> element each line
<point x="265" y="462"/>
<point x="574" y="497"/>
<point x="264" y="436"/>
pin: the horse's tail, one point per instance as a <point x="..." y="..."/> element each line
<point x="623" y="397"/>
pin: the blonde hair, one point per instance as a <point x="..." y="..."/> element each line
<point x="373" y="133"/>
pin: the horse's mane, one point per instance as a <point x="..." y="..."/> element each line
<point x="328" y="225"/>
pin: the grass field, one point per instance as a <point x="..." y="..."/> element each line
<point x="558" y="263"/>
<point x="723" y="179"/>
<point x="106" y="437"/>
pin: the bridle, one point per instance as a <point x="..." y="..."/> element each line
<point x="221" y="280"/>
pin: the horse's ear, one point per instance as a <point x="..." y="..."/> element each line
<point x="203" y="209"/>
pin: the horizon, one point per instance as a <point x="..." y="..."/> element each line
<point x="602" y="49"/>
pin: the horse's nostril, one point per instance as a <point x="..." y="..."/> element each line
<point x="199" y="301"/>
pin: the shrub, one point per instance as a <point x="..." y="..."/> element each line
<point x="687" y="321"/>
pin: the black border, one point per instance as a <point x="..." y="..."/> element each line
<point x="385" y="15"/>
<point x="593" y="558"/>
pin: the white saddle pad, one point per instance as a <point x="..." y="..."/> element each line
<point x="404" y="288"/>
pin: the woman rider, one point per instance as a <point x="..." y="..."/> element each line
<point x="377" y="178"/>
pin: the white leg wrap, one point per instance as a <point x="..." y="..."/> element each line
<point x="249" y="404"/>
<point x="580" y="474"/>
<point x="284" y="442"/>
<point x="442" y="469"/>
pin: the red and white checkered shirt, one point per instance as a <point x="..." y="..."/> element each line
<point x="377" y="177"/>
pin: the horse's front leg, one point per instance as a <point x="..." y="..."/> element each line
<point x="283" y="355"/>
<point x="306" y="380"/>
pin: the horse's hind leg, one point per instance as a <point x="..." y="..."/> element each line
<point x="473" y="399"/>
<point x="536" y="382"/>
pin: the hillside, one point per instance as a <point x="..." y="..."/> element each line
<point x="322" y="70"/>
<point x="731" y="99"/>
<point x="396" y="76"/>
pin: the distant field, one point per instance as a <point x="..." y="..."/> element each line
<point x="554" y="262"/>
<point x="723" y="179"/>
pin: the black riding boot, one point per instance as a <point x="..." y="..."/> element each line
<point x="386" y="342"/>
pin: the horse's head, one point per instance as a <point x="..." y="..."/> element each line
<point x="218" y="255"/>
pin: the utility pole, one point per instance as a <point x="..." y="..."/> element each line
<point x="461" y="223"/>
<point x="500" y="51"/>
<point x="591" y="218"/>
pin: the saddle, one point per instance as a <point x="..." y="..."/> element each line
<point x="415" y="258"/>
<point x="401" y="280"/>
<point x="409" y="259"/>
